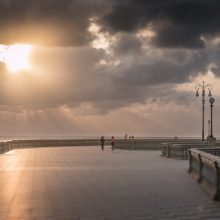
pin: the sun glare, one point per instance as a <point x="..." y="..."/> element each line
<point x="17" y="57"/>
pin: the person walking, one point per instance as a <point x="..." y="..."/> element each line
<point x="113" y="143"/>
<point x="102" y="140"/>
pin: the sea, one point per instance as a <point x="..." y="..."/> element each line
<point x="5" y="138"/>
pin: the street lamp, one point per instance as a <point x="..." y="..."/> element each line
<point x="204" y="87"/>
<point x="211" y="100"/>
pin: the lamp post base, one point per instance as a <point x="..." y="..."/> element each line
<point x="211" y="140"/>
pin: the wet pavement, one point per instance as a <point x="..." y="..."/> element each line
<point x="85" y="183"/>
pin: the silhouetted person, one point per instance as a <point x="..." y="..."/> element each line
<point x="126" y="135"/>
<point x="113" y="143"/>
<point x="102" y="140"/>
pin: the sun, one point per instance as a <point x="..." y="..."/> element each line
<point x="17" y="57"/>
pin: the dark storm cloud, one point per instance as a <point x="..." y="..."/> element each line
<point x="175" y="68"/>
<point x="177" y="23"/>
<point x="65" y="22"/>
<point x="126" y="44"/>
<point x="74" y="76"/>
<point x="78" y="75"/>
<point x="50" y="22"/>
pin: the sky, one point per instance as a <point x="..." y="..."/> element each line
<point x="109" y="67"/>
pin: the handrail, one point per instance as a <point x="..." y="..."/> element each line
<point x="146" y="144"/>
<point x="204" y="166"/>
<point x="180" y="150"/>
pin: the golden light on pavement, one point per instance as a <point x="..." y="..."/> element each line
<point x="17" y="57"/>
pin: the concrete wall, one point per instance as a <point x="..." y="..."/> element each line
<point x="136" y="144"/>
<point x="180" y="150"/>
<point x="5" y="146"/>
<point x="147" y="144"/>
<point x="204" y="167"/>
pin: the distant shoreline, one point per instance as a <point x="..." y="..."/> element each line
<point x="2" y="138"/>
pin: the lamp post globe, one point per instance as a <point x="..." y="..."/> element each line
<point x="211" y="100"/>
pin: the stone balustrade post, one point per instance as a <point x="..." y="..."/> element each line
<point x="190" y="162"/>
<point x="217" y="181"/>
<point x="168" y="150"/>
<point x="200" y="169"/>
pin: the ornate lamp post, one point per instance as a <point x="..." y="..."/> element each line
<point x="203" y="87"/>
<point x="211" y="100"/>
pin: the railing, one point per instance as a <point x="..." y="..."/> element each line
<point x="147" y="144"/>
<point x="180" y="150"/>
<point x="136" y="144"/>
<point x="204" y="166"/>
<point x="6" y="146"/>
<point x="139" y="144"/>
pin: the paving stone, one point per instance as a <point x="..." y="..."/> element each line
<point x="81" y="183"/>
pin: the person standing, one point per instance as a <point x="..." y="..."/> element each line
<point x="113" y="143"/>
<point x="126" y="135"/>
<point x="102" y="140"/>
